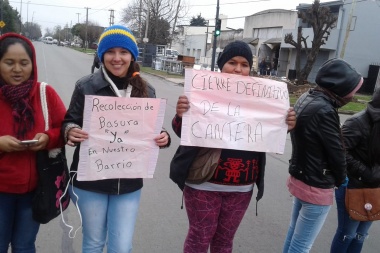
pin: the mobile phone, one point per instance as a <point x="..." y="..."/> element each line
<point x="29" y="142"/>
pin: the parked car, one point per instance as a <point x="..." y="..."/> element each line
<point x="93" y="45"/>
<point x="55" y="41"/>
<point x="48" y="40"/>
<point x="63" y="43"/>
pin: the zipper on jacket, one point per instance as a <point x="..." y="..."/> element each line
<point x="324" y="171"/>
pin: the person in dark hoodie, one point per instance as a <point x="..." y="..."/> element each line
<point x="361" y="135"/>
<point x="318" y="161"/>
<point x="216" y="207"/>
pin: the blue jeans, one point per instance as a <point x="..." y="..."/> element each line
<point x="305" y="224"/>
<point x="104" y="214"/>
<point x="350" y="234"/>
<point x="17" y="226"/>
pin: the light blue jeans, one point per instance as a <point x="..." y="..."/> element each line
<point x="17" y="226"/>
<point x="105" y="214"/>
<point x="350" y="234"/>
<point x="306" y="222"/>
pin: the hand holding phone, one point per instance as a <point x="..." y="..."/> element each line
<point x="29" y="142"/>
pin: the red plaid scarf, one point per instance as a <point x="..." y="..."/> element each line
<point x="18" y="97"/>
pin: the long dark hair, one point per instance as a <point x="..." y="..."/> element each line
<point x="139" y="85"/>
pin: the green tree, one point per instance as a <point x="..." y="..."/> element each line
<point x="10" y="17"/>
<point x="198" y="21"/>
<point x="34" y="30"/>
<point x="77" y="28"/>
<point x="321" y="20"/>
<point x="158" y="31"/>
<point x="93" y="31"/>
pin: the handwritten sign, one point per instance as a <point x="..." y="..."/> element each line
<point x="235" y="112"/>
<point x="121" y="133"/>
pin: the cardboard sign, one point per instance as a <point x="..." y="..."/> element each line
<point x="235" y="112"/>
<point x="121" y="133"/>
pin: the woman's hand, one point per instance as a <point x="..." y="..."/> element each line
<point x="75" y="136"/>
<point x="183" y="105"/>
<point x="291" y="119"/>
<point x="11" y="144"/>
<point x="162" y="139"/>
<point x="43" y="140"/>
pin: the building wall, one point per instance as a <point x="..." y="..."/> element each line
<point x="267" y="25"/>
<point x="269" y="18"/>
<point x="358" y="45"/>
<point x="195" y="45"/>
<point x="363" y="39"/>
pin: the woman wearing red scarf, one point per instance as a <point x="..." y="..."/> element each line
<point x="21" y="119"/>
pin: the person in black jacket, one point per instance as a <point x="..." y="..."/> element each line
<point x="109" y="207"/>
<point x="361" y="135"/>
<point x="318" y="161"/>
<point x="96" y="63"/>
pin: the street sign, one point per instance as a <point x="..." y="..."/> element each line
<point x="2" y="24"/>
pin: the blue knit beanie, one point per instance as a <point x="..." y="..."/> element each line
<point x="117" y="36"/>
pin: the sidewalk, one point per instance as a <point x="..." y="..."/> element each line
<point x="177" y="80"/>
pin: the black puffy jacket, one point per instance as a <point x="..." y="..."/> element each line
<point x="318" y="157"/>
<point x="356" y="134"/>
<point x="95" y="84"/>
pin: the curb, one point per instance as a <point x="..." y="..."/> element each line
<point x="163" y="77"/>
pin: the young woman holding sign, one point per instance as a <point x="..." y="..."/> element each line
<point x="108" y="207"/>
<point x="215" y="208"/>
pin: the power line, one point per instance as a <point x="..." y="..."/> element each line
<point x="203" y="5"/>
<point x="59" y="6"/>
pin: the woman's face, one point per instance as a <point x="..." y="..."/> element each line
<point x="117" y="60"/>
<point x="16" y="65"/>
<point x="237" y="65"/>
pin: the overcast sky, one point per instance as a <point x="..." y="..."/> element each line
<point x="50" y="13"/>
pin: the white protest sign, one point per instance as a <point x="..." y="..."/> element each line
<point x="235" y="112"/>
<point x="121" y="132"/>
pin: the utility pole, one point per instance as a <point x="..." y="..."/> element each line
<point x="208" y="21"/>
<point x="214" y="44"/>
<point x="27" y="19"/>
<point x="348" y="28"/>
<point x="78" y="17"/>
<point x="21" y="17"/>
<point x="85" y="42"/>
<point x="140" y="10"/>
<point x="112" y="17"/>
<point x="145" y="39"/>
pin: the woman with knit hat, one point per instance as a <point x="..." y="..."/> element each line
<point x="215" y="208"/>
<point x="318" y="161"/>
<point x="22" y="119"/>
<point x="108" y="207"/>
<point x="361" y="134"/>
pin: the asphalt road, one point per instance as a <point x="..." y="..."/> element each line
<point x="161" y="226"/>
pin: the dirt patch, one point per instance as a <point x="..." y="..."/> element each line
<point x="296" y="90"/>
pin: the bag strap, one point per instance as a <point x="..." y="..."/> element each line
<point x="44" y="104"/>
